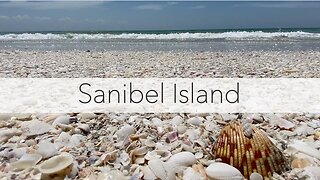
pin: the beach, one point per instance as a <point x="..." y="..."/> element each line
<point x="166" y="145"/>
<point x="165" y="64"/>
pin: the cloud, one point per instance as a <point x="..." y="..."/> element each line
<point x="154" y="7"/>
<point x="21" y="17"/>
<point x="198" y="7"/>
<point x="42" y="18"/>
<point x="281" y="4"/>
<point x="51" y="5"/>
<point x="4" y="17"/>
<point x="65" y="19"/>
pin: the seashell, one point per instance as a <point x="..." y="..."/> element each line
<point x="191" y="174"/>
<point x="172" y="136"/>
<point x="149" y="143"/>
<point x="139" y="160"/>
<point x="181" y="129"/>
<point x="157" y="122"/>
<point x="63" y="140"/>
<point x="193" y="134"/>
<point x="285" y="124"/>
<point x="65" y="127"/>
<point x="76" y="140"/>
<point x="177" y="120"/>
<point x="257" y="118"/>
<point x="183" y="159"/>
<point x="114" y="174"/>
<point x="34" y="127"/>
<point x="46" y="149"/>
<point x="5" y="116"/>
<point x="247" y="130"/>
<point x="57" y="166"/>
<point x="84" y="128"/>
<point x="199" y="169"/>
<point x="196" y="121"/>
<point x="140" y="151"/>
<point x="6" y="134"/>
<point x="300" y="163"/>
<point x="147" y="173"/>
<point x="199" y="155"/>
<point x="107" y="158"/>
<point x="254" y="154"/>
<point x="304" y="129"/>
<point x="17" y="153"/>
<point x="157" y="167"/>
<point x="23" y="116"/>
<point x="228" y="117"/>
<point x="27" y="161"/>
<point x="313" y="172"/>
<point x="61" y="120"/>
<point x="124" y="132"/>
<point x="255" y="176"/>
<point x="86" y="116"/>
<point x="223" y="171"/>
<point x="158" y="154"/>
<point x="300" y="146"/>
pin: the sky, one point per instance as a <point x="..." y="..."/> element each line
<point x="110" y="16"/>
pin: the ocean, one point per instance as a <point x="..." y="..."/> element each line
<point x="166" y="40"/>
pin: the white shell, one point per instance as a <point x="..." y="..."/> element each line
<point x="26" y="161"/>
<point x="86" y="116"/>
<point x="56" y="164"/>
<point x="196" y="121"/>
<point x="34" y="127"/>
<point x="124" y="132"/>
<point x="300" y="146"/>
<point x="46" y="149"/>
<point x="84" y="127"/>
<point x="157" y="167"/>
<point x="223" y="171"/>
<point x="255" y="176"/>
<point x="191" y="174"/>
<point x="177" y="120"/>
<point x="140" y="151"/>
<point x="61" y="120"/>
<point x="76" y="140"/>
<point x="158" y="154"/>
<point x="247" y="130"/>
<point x="6" y="134"/>
<point x="183" y="159"/>
<point x="147" y="173"/>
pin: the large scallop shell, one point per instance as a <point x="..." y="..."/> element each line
<point x="248" y="154"/>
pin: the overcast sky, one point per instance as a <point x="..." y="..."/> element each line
<point x="68" y="16"/>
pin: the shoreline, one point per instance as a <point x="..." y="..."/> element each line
<point x="166" y="64"/>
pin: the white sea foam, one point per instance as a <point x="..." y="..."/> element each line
<point x="170" y="36"/>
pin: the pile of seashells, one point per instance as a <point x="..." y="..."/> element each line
<point x="159" y="146"/>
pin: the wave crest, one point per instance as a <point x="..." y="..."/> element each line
<point x="170" y="36"/>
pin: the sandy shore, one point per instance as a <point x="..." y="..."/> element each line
<point x="45" y="64"/>
<point x="154" y="146"/>
<point x="148" y="146"/>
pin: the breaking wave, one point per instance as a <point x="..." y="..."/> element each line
<point x="234" y="35"/>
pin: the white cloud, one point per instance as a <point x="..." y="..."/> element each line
<point x="65" y="19"/>
<point x="42" y="18"/>
<point x="300" y="4"/>
<point x="21" y="17"/>
<point x="154" y="7"/>
<point x="199" y="7"/>
<point x="51" y="5"/>
<point x="4" y="17"/>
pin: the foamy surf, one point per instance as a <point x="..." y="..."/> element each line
<point x="232" y="35"/>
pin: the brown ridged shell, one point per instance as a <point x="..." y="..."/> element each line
<point x="249" y="154"/>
